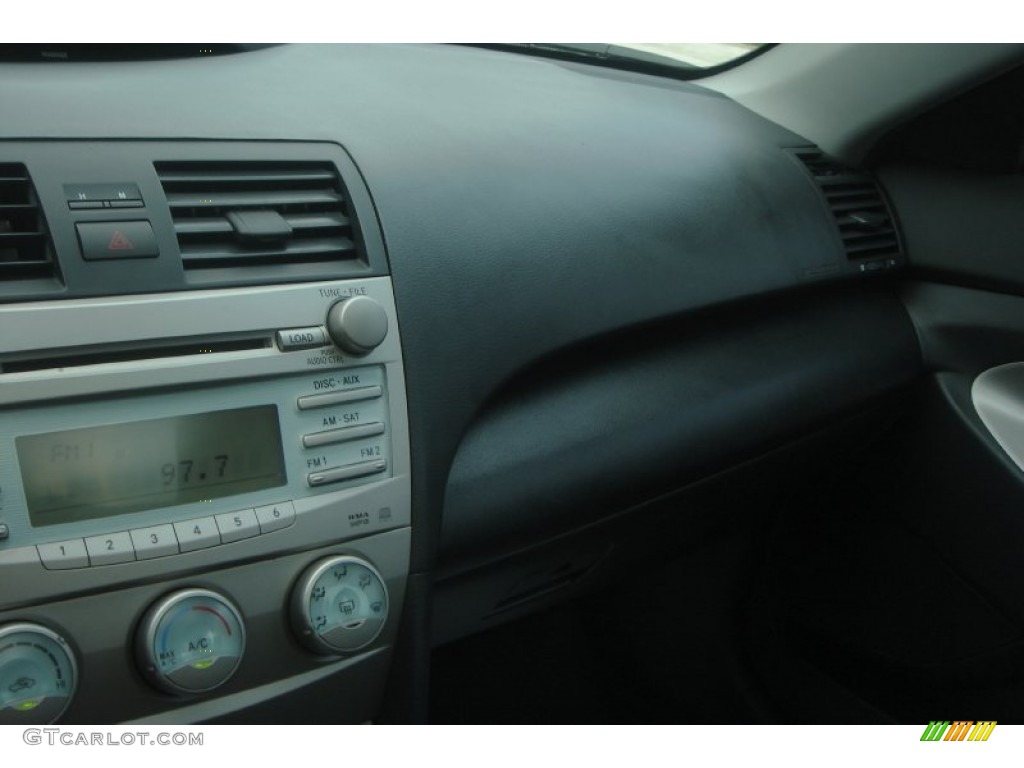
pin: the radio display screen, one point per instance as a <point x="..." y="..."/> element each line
<point x="97" y="472"/>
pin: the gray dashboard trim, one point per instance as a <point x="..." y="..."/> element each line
<point x="226" y="705"/>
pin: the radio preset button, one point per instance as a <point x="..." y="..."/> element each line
<point x="158" y="541"/>
<point x="235" y="526"/>
<point x="62" y="555"/>
<point x="111" y="549"/>
<point x="343" y="434"/>
<point x="347" y="472"/>
<point x="307" y="402"/>
<point x="301" y="338"/>
<point x="274" y="517"/>
<point x="197" y="534"/>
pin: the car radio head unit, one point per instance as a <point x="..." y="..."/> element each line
<point x="175" y="446"/>
<point x="78" y="470"/>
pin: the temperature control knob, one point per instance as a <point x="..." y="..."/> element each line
<point x="191" y="641"/>
<point x="339" y="605"/>
<point x="38" y="675"/>
<point x="357" y="324"/>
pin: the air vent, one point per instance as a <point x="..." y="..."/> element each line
<point x="865" y="222"/>
<point x="259" y="215"/>
<point x="25" y="249"/>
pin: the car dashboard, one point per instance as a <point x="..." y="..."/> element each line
<point x="316" y="358"/>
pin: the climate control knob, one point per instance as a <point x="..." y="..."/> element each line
<point x="339" y="605"/>
<point x="357" y="324"/>
<point x="191" y="641"/>
<point x="38" y="675"/>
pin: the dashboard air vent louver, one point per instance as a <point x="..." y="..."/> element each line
<point x="866" y="225"/>
<point x="252" y="214"/>
<point x="25" y="248"/>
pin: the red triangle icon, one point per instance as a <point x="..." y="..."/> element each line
<point x="120" y="242"/>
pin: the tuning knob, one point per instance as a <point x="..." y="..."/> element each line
<point x="357" y="324"/>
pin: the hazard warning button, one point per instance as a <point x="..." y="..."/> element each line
<point x="117" y="240"/>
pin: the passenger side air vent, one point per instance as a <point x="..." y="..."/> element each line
<point x="866" y="225"/>
<point x="25" y="247"/>
<point x="275" y="216"/>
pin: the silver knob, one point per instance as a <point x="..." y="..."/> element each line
<point x="339" y="605"/>
<point x="357" y="324"/>
<point x="38" y="675"/>
<point x="191" y="641"/>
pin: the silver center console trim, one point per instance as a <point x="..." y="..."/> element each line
<point x="97" y="604"/>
